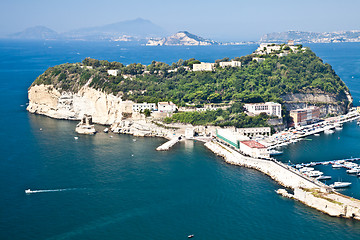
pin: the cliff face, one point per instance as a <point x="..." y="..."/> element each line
<point x="328" y="103"/>
<point x="104" y="108"/>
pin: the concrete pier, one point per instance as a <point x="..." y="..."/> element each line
<point x="166" y="146"/>
<point x="307" y="190"/>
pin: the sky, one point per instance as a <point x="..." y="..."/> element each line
<point x="219" y="20"/>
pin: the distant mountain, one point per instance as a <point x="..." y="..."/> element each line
<point x="129" y="30"/>
<point x="181" y="38"/>
<point x="35" y="33"/>
<point x="312" y="37"/>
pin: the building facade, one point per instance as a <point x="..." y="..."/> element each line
<point x="168" y="107"/>
<point x="270" y="108"/>
<point x="140" y="107"/>
<point x="230" y="64"/>
<point x="203" y="66"/>
<point x="305" y="116"/>
<point x="254" y="149"/>
<point x="252" y="132"/>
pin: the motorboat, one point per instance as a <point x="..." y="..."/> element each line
<point x="274" y="152"/>
<point x="328" y="131"/>
<point x="353" y="171"/>
<point x="322" y="177"/>
<point x="28" y="191"/>
<point x="306" y="169"/>
<point x="340" y="184"/>
<point x="317" y="134"/>
<point x="337" y="165"/>
<point x="338" y="127"/>
<point x="314" y="173"/>
<point x="106" y="130"/>
<point x="191" y="236"/>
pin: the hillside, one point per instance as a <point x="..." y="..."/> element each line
<point x="182" y="38"/>
<point x="35" y="33"/>
<point x="298" y="78"/>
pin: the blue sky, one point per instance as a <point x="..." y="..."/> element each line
<point x="220" y="20"/>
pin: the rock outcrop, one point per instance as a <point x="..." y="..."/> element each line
<point x="328" y="103"/>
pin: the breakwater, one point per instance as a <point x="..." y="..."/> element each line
<point x="309" y="191"/>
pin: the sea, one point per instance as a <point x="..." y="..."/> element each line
<point x="112" y="186"/>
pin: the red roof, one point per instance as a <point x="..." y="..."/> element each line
<point x="253" y="144"/>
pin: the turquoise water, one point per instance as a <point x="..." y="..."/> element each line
<point x="117" y="188"/>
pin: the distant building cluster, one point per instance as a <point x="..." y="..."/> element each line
<point x="270" y="108"/>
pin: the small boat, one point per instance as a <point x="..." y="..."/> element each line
<point x="76" y="138"/>
<point x="340" y="184"/>
<point x="275" y="152"/>
<point x="106" y="130"/>
<point x="191" y="236"/>
<point x="322" y="177"/>
<point x="314" y="173"/>
<point x="306" y="169"/>
<point x="353" y="171"/>
<point x="337" y="166"/>
<point x="317" y="134"/>
<point x="134" y="140"/>
<point x="338" y="127"/>
<point x="28" y="191"/>
<point x="329" y="131"/>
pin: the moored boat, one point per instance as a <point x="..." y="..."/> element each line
<point x="322" y="177"/>
<point x="340" y="184"/>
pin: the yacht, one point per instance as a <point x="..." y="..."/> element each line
<point x="328" y="131"/>
<point x="353" y="171"/>
<point x="314" y="173"/>
<point x="338" y="127"/>
<point x="274" y="152"/>
<point x="337" y="165"/>
<point x="306" y="169"/>
<point x="340" y="184"/>
<point x="322" y="177"/>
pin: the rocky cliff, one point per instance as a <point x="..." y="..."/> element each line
<point x="104" y="108"/>
<point x="328" y="103"/>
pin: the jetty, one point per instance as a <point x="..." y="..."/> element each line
<point x="307" y="190"/>
<point x="166" y="146"/>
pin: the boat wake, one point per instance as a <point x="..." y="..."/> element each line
<point x="28" y="191"/>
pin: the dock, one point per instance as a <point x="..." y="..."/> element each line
<point x="166" y="146"/>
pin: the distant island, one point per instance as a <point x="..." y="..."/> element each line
<point x="312" y="37"/>
<point x="182" y="38"/>
<point x="191" y="91"/>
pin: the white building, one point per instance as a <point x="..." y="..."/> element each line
<point x="168" y="107"/>
<point x="189" y="133"/>
<point x="113" y="72"/>
<point x="270" y="108"/>
<point x="254" y="149"/>
<point x="256" y="131"/>
<point x="140" y="107"/>
<point x="231" y="64"/>
<point x="203" y="66"/>
<point x="267" y="48"/>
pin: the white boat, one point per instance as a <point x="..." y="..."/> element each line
<point x="317" y="134"/>
<point x="28" y="191"/>
<point x="76" y="138"/>
<point x="337" y="166"/>
<point x="274" y="152"/>
<point x="306" y="169"/>
<point x="340" y="184"/>
<point x="314" y="173"/>
<point x="322" y="177"/>
<point x="106" y="130"/>
<point x="353" y="171"/>
<point x="338" y="127"/>
<point x="328" y="131"/>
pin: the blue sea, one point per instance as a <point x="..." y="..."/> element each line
<point x="119" y="187"/>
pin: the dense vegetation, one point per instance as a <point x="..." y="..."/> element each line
<point x="253" y="82"/>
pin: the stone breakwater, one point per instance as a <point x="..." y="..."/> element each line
<point x="307" y="190"/>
